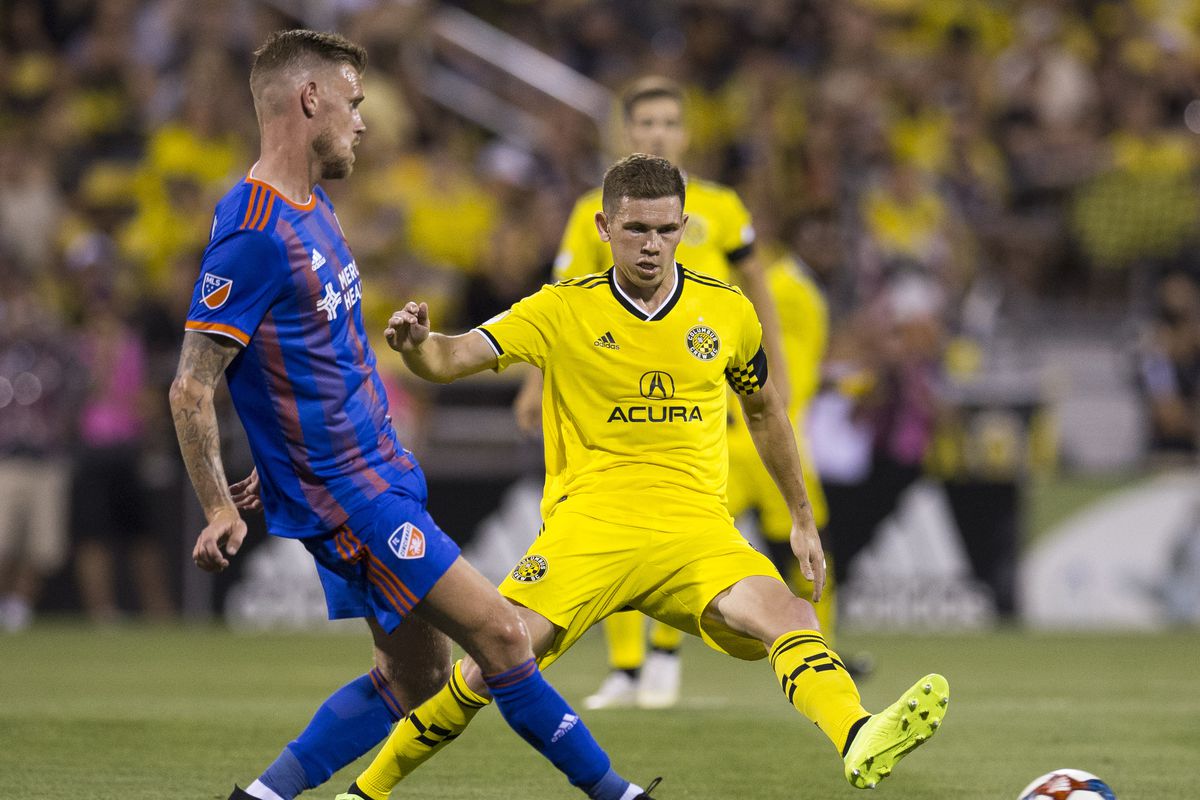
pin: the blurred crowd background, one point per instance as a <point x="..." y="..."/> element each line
<point x="1004" y="192"/>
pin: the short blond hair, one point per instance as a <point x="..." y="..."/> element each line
<point x="288" y="49"/>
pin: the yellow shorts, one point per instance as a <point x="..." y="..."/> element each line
<point x="750" y="487"/>
<point x="582" y="568"/>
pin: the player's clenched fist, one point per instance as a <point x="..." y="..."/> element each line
<point x="408" y="327"/>
<point x="226" y="531"/>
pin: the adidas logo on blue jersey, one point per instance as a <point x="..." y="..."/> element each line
<point x="608" y="341"/>
<point x="318" y="260"/>
<point x="568" y="721"/>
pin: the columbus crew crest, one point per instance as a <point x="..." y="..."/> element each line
<point x="703" y="342"/>
<point x="214" y="291"/>
<point x="529" y="569"/>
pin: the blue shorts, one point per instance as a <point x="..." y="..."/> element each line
<point x="385" y="558"/>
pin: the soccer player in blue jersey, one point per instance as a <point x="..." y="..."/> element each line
<point x="276" y="311"/>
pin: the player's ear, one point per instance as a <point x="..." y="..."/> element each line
<point x="602" y="226"/>
<point x="308" y="99"/>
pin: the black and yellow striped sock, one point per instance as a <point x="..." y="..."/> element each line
<point x="438" y="720"/>
<point x="816" y="682"/>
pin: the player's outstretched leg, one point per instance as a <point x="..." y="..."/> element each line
<point x="349" y="723"/>
<point x="498" y="637"/>
<point x="816" y="682"/>
<point x="441" y="719"/>
<point x="432" y="725"/>
<point x="896" y="731"/>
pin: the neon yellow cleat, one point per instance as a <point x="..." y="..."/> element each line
<point x="896" y="731"/>
<point x="353" y="793"/>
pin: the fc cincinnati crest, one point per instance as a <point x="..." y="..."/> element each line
<point x="703" y="342"/>
<point x="407" y="541"/>
<point x="529" y="569"/>
<point x="214" y="290"/>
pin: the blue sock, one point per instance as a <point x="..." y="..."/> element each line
<point x="538" y="713"/>
<point x="354" y="719"/>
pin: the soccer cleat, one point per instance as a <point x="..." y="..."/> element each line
<point x="239" y="793"/>
<point x="658" y="683"/>
<point x="353" y="793"/>
<point x="893" y="733"/>
<point x="618" y="691"/>
<point x="645" y="795"/>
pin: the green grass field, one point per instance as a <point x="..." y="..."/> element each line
<point x="140" y="713"/>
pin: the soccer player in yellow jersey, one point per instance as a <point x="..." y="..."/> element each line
<point x="719" y="241"/>
<point x="636" y="361"/>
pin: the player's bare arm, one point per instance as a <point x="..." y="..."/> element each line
<point x="754" y="283"/>
<point x="771" y="430"/>
<point x="202" y="362"/>
<point x="435" y="356"/>
<point x="527" y="406"/>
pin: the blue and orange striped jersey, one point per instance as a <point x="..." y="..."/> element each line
<point x="279" y="279"/>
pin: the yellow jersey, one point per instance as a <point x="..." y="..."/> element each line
<point x="634" y="404"/>
<point x="718" y="234"/>
<point x="804" y="325"/>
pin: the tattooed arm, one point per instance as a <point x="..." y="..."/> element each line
<point x="201" y="365"/>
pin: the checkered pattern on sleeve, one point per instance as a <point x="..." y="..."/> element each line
<point x="751" y="377"/>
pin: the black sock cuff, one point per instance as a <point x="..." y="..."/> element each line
<point x="356" y="789"/>
<point x="853" y="732"/>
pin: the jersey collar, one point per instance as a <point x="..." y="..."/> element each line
<point x="307" y="205"/>
<point x="633" y="308"/>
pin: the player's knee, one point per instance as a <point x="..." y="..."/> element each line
<point x="794" y="614"/>
<point x="510" y="635"/>
<point x="503" y="643"/>
<point x="801" y="615"/>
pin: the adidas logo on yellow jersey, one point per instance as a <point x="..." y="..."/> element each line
<point x="608" y="341"/>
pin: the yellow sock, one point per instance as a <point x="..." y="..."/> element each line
<point x="816" y="682"/>
<point x="827" y="607"/>
<point x="664" y="637"/>
<point x="422" y="733"/>
<point x="626" y="638"/>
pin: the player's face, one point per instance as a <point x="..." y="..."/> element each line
<point x="655" y="127"/>
<point x="643" y="235"/>
<point x="343" y="128"/>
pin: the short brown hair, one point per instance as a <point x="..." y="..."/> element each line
<point x="290" y="48"/>
<point x="641" y="177"/>
<point x="650" y="87"/>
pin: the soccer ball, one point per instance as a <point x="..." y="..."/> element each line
<point x="1067" y="784"/>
